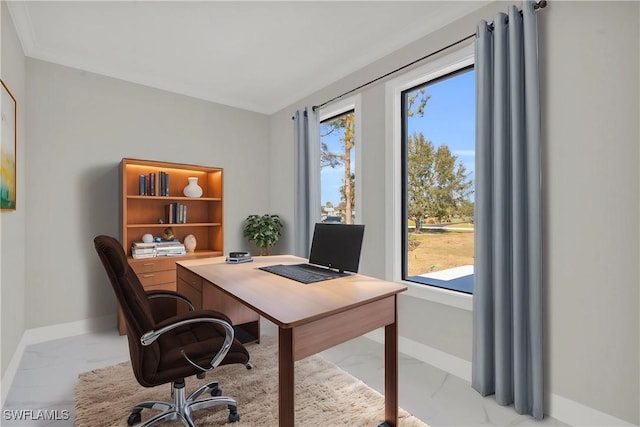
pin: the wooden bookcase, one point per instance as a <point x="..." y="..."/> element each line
<point x="141" y="214"/>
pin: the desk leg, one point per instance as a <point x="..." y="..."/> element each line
<point x="391" y="371"/>
<point x="285" y="377"/>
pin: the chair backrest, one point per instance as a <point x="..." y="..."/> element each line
<point x="133" y="302"/>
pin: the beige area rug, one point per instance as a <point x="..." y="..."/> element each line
<point x="325" y="395"/>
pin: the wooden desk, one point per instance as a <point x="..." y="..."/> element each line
<point x="311" y="318"/>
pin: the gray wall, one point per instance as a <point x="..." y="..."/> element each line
<point x="590" y="108"/>
<point x="590" y="57"/>
<point x="13" y="223"/>
<point x="80" y="126"/>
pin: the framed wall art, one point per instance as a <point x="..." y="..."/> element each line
<point x="8" y="141"/>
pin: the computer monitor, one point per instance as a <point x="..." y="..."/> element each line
<point x="337" y="246"/>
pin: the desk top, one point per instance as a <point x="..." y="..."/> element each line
<point x="286" y="302"/>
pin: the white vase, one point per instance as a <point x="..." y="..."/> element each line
<point x="193" y="189"/>
<point x="190" y="243"/>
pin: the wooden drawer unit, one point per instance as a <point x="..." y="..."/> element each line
<point x="203" y="294"/>
<point x="189" y="278"/>
<point x="151" y="265"/>
<point x="154" y="274"/>
<point x="157" y="278"/>
<point x="193" y="294"/>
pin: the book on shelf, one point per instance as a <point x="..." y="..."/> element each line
<point x="156" y="249"/>
<point x="176" y="213"/>
<point x="143" y="245"/>
<point x="142" y="185"/>
<point x="173" y="250"/>
<point x="163" y="187"/>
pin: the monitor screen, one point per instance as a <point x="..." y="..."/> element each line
<point x="337" y="246"/>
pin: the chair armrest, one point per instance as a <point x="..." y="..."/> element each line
<point x="189" y="318"/>
<point x="170" y="294"/>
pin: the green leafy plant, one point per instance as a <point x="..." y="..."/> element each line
<point x="264" y="230"/>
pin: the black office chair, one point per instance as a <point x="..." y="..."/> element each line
<point x="165" y="346"/>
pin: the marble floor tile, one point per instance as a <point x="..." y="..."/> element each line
<point x="48" y="372"/>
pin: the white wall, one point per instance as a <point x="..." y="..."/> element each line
<point x="589" y="66"/>
<point x="13" y="223"/>
<point x="80" y="126"/>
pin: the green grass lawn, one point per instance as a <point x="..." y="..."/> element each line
<point x="435" y="251"/>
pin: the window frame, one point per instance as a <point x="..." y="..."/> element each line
<point x="404" y="184"/>
<point x="352" y="103"/>
<point x="439" y="67"/>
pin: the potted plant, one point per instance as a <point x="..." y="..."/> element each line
<point x="263" y="230"/>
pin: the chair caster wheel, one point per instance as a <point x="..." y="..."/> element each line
<point x="216" y="391"/>
<point x="134" y="418"/>
<point x="249" y="365"/>
<point x="234" y="417"/>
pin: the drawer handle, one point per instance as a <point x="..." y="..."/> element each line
<point x="147" y="275"/>
<point x="147" y="264"/>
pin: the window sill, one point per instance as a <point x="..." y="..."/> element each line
<point x="439" y="295"/>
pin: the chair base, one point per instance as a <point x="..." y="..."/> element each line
<point x="182" y="407"/>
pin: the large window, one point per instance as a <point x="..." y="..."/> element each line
<point x="338" y="168"/>
<point x="438" y="156"/>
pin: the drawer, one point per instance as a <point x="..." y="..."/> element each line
<point x="162" y="287"/>
<point x="190" y="278"/>
<point x="192" y="294"/>
<point x="147" y="265"/>
<point x="157" y="278"/>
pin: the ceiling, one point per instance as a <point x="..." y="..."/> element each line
<point x="259" y="56"/>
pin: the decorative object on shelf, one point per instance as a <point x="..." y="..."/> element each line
<point x="147" y="238"/>
<point x="190" y="242"/>
<point x="193" y="189"/>
<point x="264" y="230"/>
<point x="167" y="234"/>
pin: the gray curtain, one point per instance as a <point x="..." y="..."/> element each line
<point x="307" y="176"/>
<point x="507" y="300"/>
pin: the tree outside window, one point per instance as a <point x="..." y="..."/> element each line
<point x="337" y="168"/>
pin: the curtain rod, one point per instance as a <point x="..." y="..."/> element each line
<point x="539" y="5"/>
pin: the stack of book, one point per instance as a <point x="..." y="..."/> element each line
<point x="143" y="250"/>
<point x="171" y="248"/>
<point x="165" y="248"/>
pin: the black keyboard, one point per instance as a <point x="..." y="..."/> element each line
<point x="302" y="273"/>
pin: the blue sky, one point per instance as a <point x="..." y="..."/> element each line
<point x="449" y="119"/>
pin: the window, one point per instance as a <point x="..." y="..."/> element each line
<point x="437" y="155"/>
<point x="339" y="144"/>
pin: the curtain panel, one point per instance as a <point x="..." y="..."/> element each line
<point x="307" y="175"/>
<point x="507" y="307"/>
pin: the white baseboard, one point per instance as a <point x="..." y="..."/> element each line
<point x="50" y="333"/>
<point x="576" y="414"/>
<point x="560" y="408"/>
<point x="454" y="365"/>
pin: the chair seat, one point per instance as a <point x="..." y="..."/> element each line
<point x="197" y="342"/>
